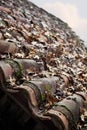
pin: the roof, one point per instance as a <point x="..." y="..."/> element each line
<point x="43" y="65"/>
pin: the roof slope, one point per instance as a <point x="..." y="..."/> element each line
<point x="40" y="54"/>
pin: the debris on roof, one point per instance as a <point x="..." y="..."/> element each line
<point x="43" y="70"/>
